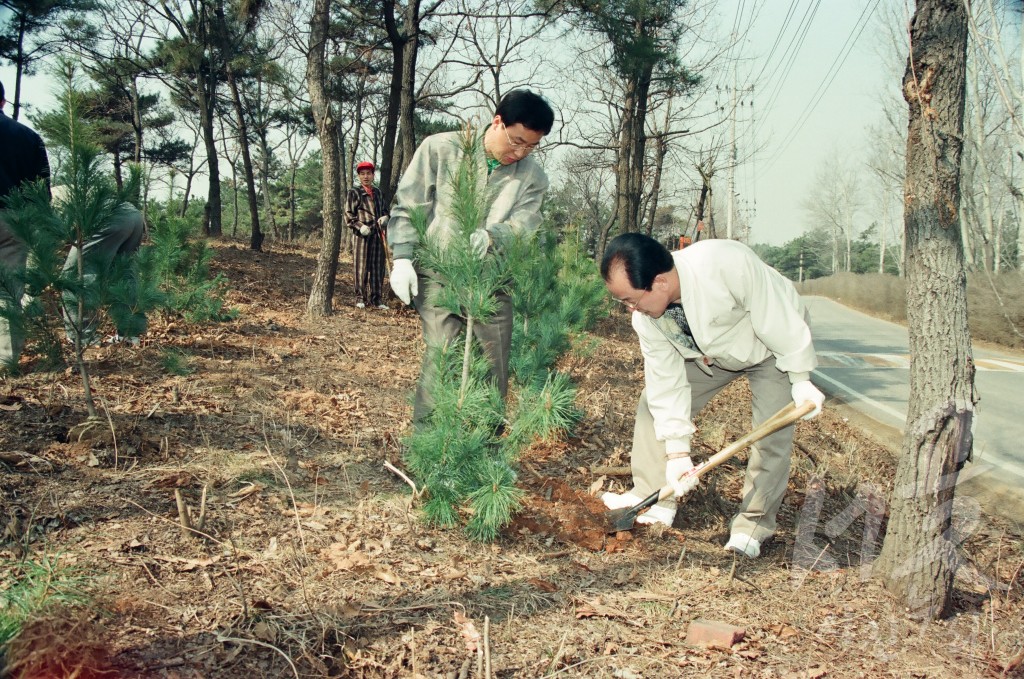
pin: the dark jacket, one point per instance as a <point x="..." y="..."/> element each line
<point x="22" y="156"/>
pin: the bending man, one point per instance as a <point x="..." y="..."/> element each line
<point x="706" y="316"/>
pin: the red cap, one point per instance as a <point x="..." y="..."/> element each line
<point x="365" y="165"/>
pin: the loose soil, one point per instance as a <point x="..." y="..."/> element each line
<point x="313" y="560"/>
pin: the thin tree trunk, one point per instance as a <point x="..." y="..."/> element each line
<point x="918" y="559"/>
<point x="321" y="294"/>
<point x="256" y="237"/>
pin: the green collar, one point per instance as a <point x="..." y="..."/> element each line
<point x="492" y="165"/>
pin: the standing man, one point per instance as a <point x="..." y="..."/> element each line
<point x="367" y="217"/>
<point x="706" y="316"/>
<point x="517" y="184"/>
<point x="22" y="159"/>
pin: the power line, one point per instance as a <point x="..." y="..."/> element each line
<point x="827" y="80"/>
<point x="789" y="58"/>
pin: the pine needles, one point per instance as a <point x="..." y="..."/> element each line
<point x="464" y="454"/>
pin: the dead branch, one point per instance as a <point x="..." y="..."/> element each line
<point x="191" y="526"/>
<point x="395" y="470"/>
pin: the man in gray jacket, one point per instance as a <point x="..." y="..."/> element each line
<point x="705" y="316"/>
<point x="517" y="183"/>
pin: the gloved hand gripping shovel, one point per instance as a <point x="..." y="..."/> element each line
<point x="623" y="519"/>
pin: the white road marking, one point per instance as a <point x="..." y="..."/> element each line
<point x="891" y="412"/>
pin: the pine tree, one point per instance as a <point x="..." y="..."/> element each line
<point x="74" y="297"/>
<point x="465" y="467"/>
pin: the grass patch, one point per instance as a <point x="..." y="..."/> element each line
<point x="995" y="303"/>
<point x="175" y="362"/>
<point x="27" y="588"/>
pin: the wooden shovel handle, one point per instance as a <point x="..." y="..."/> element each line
<point x="785" y="417"/>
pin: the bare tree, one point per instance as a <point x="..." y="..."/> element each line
<point x="834" y="202"/>
<point x="321" y="294"/>
<point x="918" y="560"/>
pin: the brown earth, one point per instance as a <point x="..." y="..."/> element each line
<point x="313" y="560"/>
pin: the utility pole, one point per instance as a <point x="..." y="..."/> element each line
<point x="732" y="161"/>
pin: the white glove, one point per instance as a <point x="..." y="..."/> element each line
<point x="403" y="280"/>
<point x="364" y="230"/>
<point x="805" y="391"/>
<point x="674" y="469"/>
<point x="480" y="241"/>
<point x="382" y="221"/>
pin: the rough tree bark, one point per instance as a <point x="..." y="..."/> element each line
<point x="918" y="559"/>
<point x="322" y="292"/>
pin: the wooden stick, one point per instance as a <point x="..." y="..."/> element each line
<point x="487" y="647"/>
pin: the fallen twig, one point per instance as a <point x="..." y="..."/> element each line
<point x="284" y="655"/>
<point x="395" y="470"/>
<point x="191" y="526"/>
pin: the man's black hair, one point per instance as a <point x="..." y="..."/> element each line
<point x="527" y="108"/>
<point x="642" y="258"/>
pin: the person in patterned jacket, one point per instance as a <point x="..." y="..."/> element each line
<point x="366" y="215"/>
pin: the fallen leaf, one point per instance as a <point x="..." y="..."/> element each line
<point x="468" y="631"/>
<point x="542" y="585"/>
<point x="387" y="575"/>
<point x="262" y="630"/>
<point x="598" y="484"/>
<point x="247" y="491"/>
<point x="595" y="609"/>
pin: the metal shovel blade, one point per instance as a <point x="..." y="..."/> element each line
<point x="624" y="519"/>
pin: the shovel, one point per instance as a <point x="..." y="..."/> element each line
<point x="623" y="519"/>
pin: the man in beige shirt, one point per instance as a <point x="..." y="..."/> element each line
<point x="707" y="315"/>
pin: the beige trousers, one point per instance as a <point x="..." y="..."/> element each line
<point x="768" y="464"/>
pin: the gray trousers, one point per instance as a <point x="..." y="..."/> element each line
<point x="441" y="327"/>
<point x="122" y="236"/>
<point x="768" y="462"/>
<point x="12" y="259"/>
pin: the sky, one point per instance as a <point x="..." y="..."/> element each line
<point x="812" y="82"/>
<point x="823" y="107"/>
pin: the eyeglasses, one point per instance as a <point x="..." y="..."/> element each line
<point x="631" y="305"/>
<point x="525" y="149"/>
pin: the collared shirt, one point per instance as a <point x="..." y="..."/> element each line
<point x="740" y="311"/>
<point x="517" y="191"/>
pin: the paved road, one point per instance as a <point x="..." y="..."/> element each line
<point x="864" y="361"/>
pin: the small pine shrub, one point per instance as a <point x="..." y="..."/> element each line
<point x="178" y="263"/>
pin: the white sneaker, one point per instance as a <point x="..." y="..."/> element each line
<point x="360" y="305"/>
<point x="658" y="514"/>
<point x="385" y="307"/>
<point x="620" y="500"/>
<point x="743" y="544"/>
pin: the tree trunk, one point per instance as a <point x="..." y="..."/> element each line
<point x="19" y="67"/>
<point x="268" y="203"/>
<point x="407" y="130"/>
<point x="918" y="558"/>
<point x="213" y="203"/>
<point x="659" y="162"/>
<point x="322" y="291"/>
<point x="256" y="237"/>
<point x="137" y="128"/>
